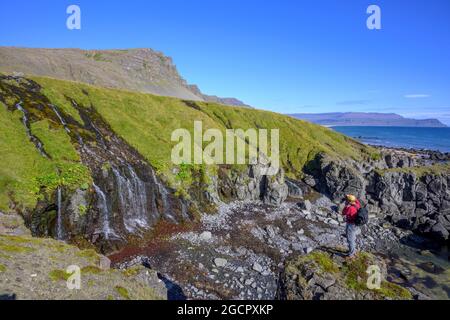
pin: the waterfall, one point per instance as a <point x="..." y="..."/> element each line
<point x="59" y="224"/>
<point x="161" y="190"/>
<point x="61" y="119"/>
<point x="30" y="136"/>
<point x="132" y="196"/>
<point x="164" y="194"/>
<point x="104" y="212"/>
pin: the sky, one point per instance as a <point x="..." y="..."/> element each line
<point x="303" y="56"/>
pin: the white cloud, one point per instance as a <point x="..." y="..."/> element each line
<point x="416" y="96"/>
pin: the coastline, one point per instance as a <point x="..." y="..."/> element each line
<point x="411" y="139"/>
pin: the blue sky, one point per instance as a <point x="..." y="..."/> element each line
<point x="285" y="56"/>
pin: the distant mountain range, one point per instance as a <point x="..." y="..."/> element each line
<point x="365" y="119"/>
<point x="142" y="70"/>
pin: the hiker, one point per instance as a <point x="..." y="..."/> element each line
<point x="352" y="206"/>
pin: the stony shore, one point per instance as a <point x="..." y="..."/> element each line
<point x="245" y="251"/>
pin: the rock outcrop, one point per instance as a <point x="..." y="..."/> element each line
<point x="323" y="276"/>
<point x="411" y="190"/>
<point x="251" y="184"/>
<point x="40" y="269"/>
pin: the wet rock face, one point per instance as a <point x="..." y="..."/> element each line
<point x="127" y="198"/>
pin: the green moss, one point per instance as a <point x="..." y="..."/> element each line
<point x="15" y="248"/>
<point x="356" y="277"/>
<point x="110" y="297"/>
<point x="320" y="259"/>
<point x="131" y="272"/>
<point x="375" y="156"/>
<point x="21" y="240"/>
<point x="82" y="209"/>
<point x="123" y="292"/>
<point x="59" y="275"/>
<point x="5" y="256"/>
<point x="394" y="291"/>
<point x="106" y="167"/>
<point x="91" y="270"/>
<point x="2" y="268"/>
<point x="355" y="272"/>
<point x="324" y="261"/>
<point x="89" y="254"/>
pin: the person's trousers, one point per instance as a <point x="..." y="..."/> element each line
<point x="351" y="232"/>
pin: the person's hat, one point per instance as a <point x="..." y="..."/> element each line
<point x="350" y="198"/>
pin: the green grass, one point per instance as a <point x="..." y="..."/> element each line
<point x="2" y="268"/>
<point x="24" y="173"/>
<point x="20" y="162"/>
<point x="56" y="142"/>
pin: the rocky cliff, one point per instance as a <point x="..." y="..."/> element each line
<point x="143" y="70"/>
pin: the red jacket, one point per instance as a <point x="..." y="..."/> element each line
<point x="350" y="211"/>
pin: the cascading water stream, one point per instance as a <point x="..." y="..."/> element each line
<point x="30" y="136"/>
<point x="61" y="119"/>
<point x="132" y="196"/>
<point x="59" y="223"/>
<point x="105" y="213"/>
<point x="162" y="192"/>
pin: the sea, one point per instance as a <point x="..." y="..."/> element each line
<point x="436" y="139"/>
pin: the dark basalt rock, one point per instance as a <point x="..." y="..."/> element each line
<point x="420" y="203"/>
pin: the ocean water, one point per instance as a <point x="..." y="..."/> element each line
<point x="406" y="137"/>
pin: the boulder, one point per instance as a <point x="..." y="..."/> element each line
<point x="305" y="205"/>
<point x="220" y="262"/>
<point x="295" y="191"/>
<point x="205" y="236"/>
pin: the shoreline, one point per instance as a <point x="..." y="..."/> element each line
<point x="410" y="141"/>
<point x="425" y="154"/>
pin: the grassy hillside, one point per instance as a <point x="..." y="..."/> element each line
<point x="146" y="122"/>
<point x="24" y="172"/>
